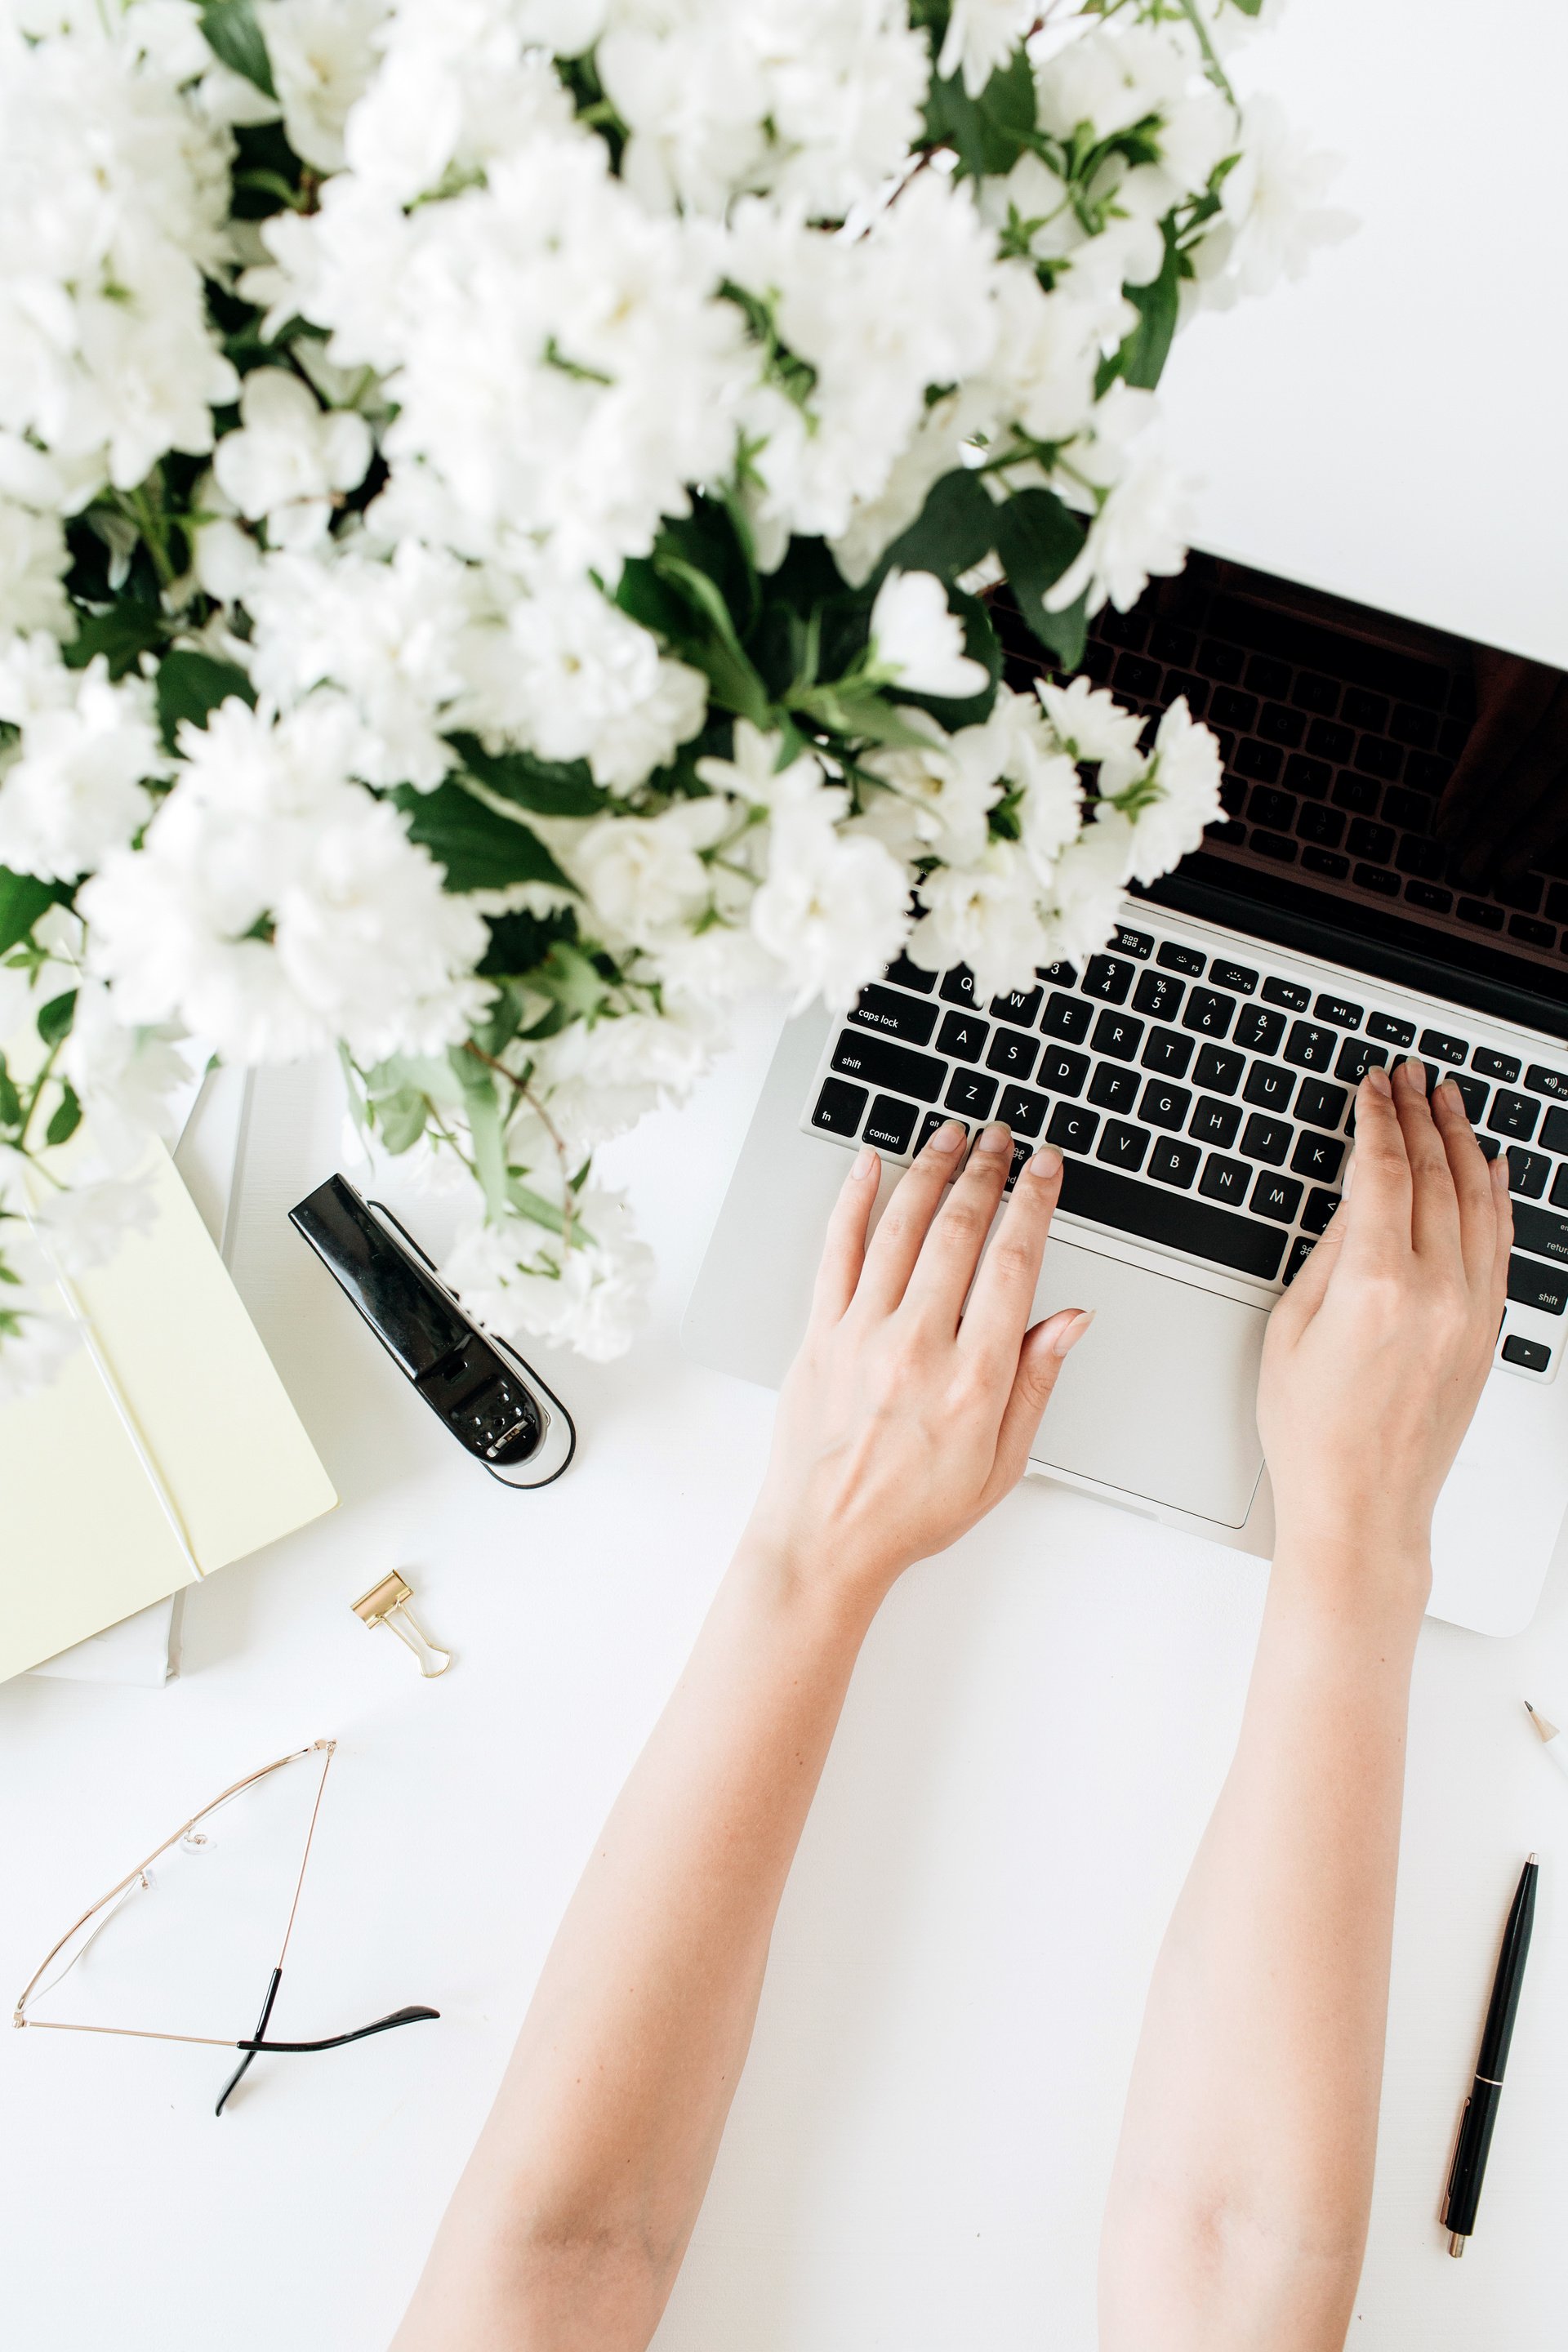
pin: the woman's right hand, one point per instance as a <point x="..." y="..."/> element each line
<point x="1377" y="1354"/>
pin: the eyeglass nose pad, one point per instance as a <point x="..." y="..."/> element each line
<point x="196" y="1842"/>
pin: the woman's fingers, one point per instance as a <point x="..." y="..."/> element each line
<point x="1472" y="1182"/>
<point x="1434" y="1205"/>
<point x="1295" y="1307"/>
<point x="1041" y="1360"/>
<point x="844" y="1250"/>
<point x="1377" y="1214"/>
<point x="1502" y="1208"/>
<point x="950" y="1251"/>
<point x="906" y="1220"/>
<point x="1003" y="1297"/>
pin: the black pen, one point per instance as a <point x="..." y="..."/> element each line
<point x="1469" y="2168"/>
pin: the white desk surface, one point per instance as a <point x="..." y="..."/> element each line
<point x="918" y="2151"/>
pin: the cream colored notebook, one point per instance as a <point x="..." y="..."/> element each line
<point x="84" y="1538"/>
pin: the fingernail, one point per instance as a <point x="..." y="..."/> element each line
<point x="1377" y="1079"/>
<point x="1071" y="1333"/>
<point x="1453" y="1098"/>
<point x="1047" y="1161"/>
<point x="865" y="1162"/>
<point x="948" y="1137"/>
<point x="993" y="1139"/>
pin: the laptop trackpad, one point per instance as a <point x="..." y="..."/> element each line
<point x="1158" y="1398"/>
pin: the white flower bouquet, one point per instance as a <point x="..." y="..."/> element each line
<point x="498" y="499"/>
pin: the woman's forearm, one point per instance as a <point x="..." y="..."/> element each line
<point x="1238" y="2210"/>
<point x="570" y="2223"/>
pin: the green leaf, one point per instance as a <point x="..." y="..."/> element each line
<point x="401" y="1118"/>
<point x="520" y="941"/>
<point x="535" y="1207"/>
<point x="483" y="1113"/>
<point x="122" y="636"/>
<point x="234" y="34"/>
<point x="66" y="1117"/>
<point x="495" y="1031"/>
<point x="10" y="1100"/>
<point x="23" y="899"/>
<point x="735" y="684"/>
<point x="989" y="132"/>
<point x="1142" y="356"/>
<point x="55" y="1018"/>
<point x="956" y="529"/>
<point x="479" y="849"/>
<point x="545" y="786"/>
<point x="1037" y="539"/>
<point x="191" y="684"/>
<point x="572" y="977"/>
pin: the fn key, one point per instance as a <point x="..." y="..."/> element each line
<point x="838" y="1107"/>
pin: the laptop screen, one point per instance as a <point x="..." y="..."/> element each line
<point x="1344" y="733"/>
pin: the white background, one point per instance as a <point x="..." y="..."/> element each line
<point x="918" y="2150"/>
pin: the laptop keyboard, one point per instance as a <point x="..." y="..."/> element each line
<point x="1201" y="1101"/>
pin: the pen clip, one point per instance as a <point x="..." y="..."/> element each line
<point x="386" y="1603"/>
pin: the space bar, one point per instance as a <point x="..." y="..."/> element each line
<point x="1181" y="1223"/>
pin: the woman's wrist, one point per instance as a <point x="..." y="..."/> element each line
<point x="1368" y="1572"/>
<point x="831" y="1591"/>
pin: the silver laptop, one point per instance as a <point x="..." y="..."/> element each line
<point x="1198" y="1078"/>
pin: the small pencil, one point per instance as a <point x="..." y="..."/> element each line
<point x="1552" y="1739"/>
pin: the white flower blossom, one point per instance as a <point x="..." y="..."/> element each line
<point x="917" y="639"/>
<point x="833" y="911"/>
<point x="32" y="561"/>
<point x="522" y="1281"/>
<point x="1272" y="205"/>
<point x="985" y="915"/>
<point x="84" y="1227"/>
<point x="289" y="457"/>
<point x="1184" y="771"/>
<point x="983" y="34"/>
<point x="73" y="787"/>
<point x="644" y="876"/>
<point x="323" y="53"/>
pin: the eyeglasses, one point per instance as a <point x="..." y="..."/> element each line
<point x="77" y="1939"/>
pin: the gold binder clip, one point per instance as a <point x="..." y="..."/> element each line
<point x="386" y="1603"/>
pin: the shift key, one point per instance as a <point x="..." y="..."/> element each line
<point x="1539" y="1231"/>
<point x="1532" y="1285"/>
<point x="877" y="1063"/>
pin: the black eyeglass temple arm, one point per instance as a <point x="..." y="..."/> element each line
<point x="336" y="2040"/>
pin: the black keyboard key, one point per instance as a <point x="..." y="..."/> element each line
<point x="1135" y="677"/>
<point x="1318" y="1214"/>
<point x="1444" y="1048"/>
<point x="1477" y="910"/>
<point x="1237" y="976"/>
<point x="1260" y="1031"/>
<point x="1540" y="1233"/>
<point x="1301" y="1249"/>
<point x="1073" y="1129"/>
<point x="1318" y="1105"/>
<point x="1268" y="1139"/>
<point x="1268" y="1087"/>
<point x="1159" y="1214"/>
<point x="1514" y="1115"/>
<point x="1106" y="977"/>
<point x="1132" y="943"/>
<point x="1023" y="1112"/>
<point x="1176" y="958"/>
<point x="1117" y="1034"/>
<point x="1314" y="693"/>
<point x="1218" y="1068"/>
<point x="1368" y="840"/>
<point x="1229" y="709"/>
<point x="1214" y="1122"/>
<point x="1555" y="1134"/>
<point x="1357" y="794"/>
<point x="1531" y="1284"/>
<point x="903" y="973"/>
<point x="1022" y="1155"/>
<point x="964" y="1036"/>
<point x="1316" y="1156"/>
<point x="1527" y="1171"/>
<point x="892" y="1015"/>
<point x="1328" y="741"/>
<point x="879" y="1062"/>
<point x="1066" y="1016"/>
<point x="1278" y="1197"/>
<point x="1356" y="1056"/>
<point x="1279" y="725"/>
<point x="1269" y="807"/>
<point x="1123" y="1147"/>
<point x="1523" y="892"/>
<point x="1325" y="826"/>
<point x="1061" y="1073"/>
<point x="1013" y="1053"/>
<point x="1427" y="860"/>
<point x="1428" y="895"/>
<point x="1234" y="837"/>
<point x="1393" y="1031"/>
<point x="1158" y="995"/>
<point x="1225" y="1179"/>
<point x="1021" y="1007"/>
<point x="1542" y="1081"/>
<point x="1495" y="1066"/>
<point x="1339" y="1011"/>
<point x="1364" y="710"/>
<point x="1208" y="1014"/>
<point x="1274" y="846"/>
<point x="932" y="1121"/>
<point x="971" y="1094"/>
<point x="1473" y="1093"/>
<point x="838" y="1107"/>
<point x="1411" y="811"/>
<point x="1378" y="878"/>
<point x="1216" y="660"/>
<point x="1327" y="862"/>
<point x="1309" y="1048"/>
<point x="1312" y="777"/>
<point x="1165" y="1106"/>
<point x="1059" y="974"/>
<point x="1534" y="934"/>
<point x="891" y="1124"/>
<point x="958" y="987"/>
<point x="1530" y="1355"/>
<point x="1167" y="1051"/>
<point x="1559" y="1188"/>
<point x="1112" y="1088"/>
<point x="1171" y="1162"/>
